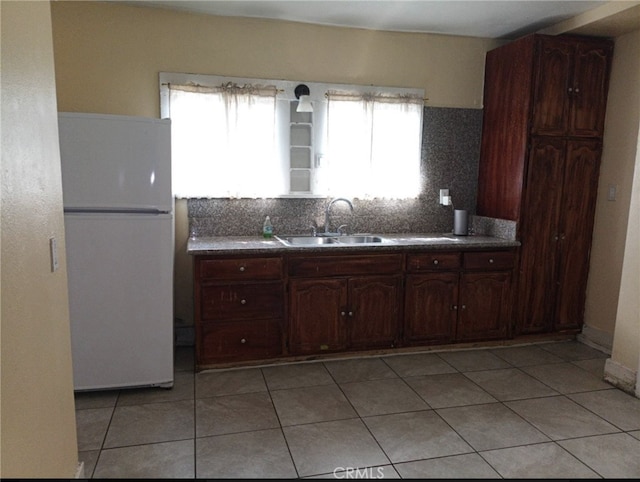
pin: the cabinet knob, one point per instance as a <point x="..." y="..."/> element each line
<point x="570" y="89"/>
<point x="343" y="313"/>
<point x="490" y="260"/>
<point x="243" y="341"/>
<point x="351" y="313"/>
<point x="454" y="307"/>
<point x="243" y="302"/>
<point x="435" y="261"/>
<point x="242" y="268"/>
<point x="464" y="307"/>
<point x="577" y="90"/>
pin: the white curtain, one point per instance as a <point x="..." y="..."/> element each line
<point x="223" y="141"/>
<point x="373" y="146"/>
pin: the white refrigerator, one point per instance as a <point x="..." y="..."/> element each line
<point x="119" y="230"/>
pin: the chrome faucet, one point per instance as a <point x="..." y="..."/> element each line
<point x="327" y="213"/>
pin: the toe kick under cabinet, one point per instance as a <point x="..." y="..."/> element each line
<point x="251" y="308"/>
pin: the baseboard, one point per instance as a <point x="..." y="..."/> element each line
<point x="598" y="339"/>
<point x="620" y="376"/>
<point x="80" y="471"/>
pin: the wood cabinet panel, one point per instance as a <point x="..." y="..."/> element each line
<point x="345" y="265"/>
<point x="433" y="261"/>
<point x="244" y="301"/>
<point x="373" y="313"/>
<point x="240" y="268"/>
<point x="317" y="315"/>
<point x="239" y="340"/>
<point x="431" y="308"/>
<point x="576" y="226"/>
<point x="489" y="260"/>
<point x="591" y="85"/>
<point x="484" y="306"/>
<point x="538" y="268"/>
<point x="552" y="83"/>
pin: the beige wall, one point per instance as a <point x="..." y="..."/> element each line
<point x="38" y="429"/>
<point x="613" y="219"/>
<point x="108" y="56"/>
<point x="622" y="222"/>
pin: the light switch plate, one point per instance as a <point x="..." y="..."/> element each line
<point x="53" y="250"/>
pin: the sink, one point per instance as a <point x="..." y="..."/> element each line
<point x="305" y="240"/>
<point x="355" y="239"/>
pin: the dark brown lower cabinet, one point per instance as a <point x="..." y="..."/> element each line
<point x="459" y="300"/>
<point x="264" y="307"/>
<point x="327" y="315"/>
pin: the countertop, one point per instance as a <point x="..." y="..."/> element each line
<point x="396" y="242"/>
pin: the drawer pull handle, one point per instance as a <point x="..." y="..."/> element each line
<point x="243" y="341"/>
<point x="242" y="268"/>
<point x="243" y="302"/>
<point x="435" y="261"/>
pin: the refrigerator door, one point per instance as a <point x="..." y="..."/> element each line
<point x="120" y="272"/>
<point x="114" y="162"/>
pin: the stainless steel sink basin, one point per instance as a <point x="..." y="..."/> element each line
<point x="355" y="239"/>
<point x="305" y="240"/>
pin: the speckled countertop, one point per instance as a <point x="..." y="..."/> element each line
<point x="394" y="242"/>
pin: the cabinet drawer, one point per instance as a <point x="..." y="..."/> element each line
<point x="346" y="265"/>
<point x="432" y="261"/>
<point x="240" y="340"/>
<point x="240" y="268"/>
<point x="241" y="301"/>
<point x="489" y="260"/>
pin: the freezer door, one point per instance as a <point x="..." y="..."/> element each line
<point x="120" y="272"/>
<point x="115" y="162"/>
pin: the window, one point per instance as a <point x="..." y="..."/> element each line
<point x="236" y="137"/>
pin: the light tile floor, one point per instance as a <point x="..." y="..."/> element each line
<point x="534" y="411"/>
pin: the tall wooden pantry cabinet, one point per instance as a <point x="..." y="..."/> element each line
<point x="544" y="108"/>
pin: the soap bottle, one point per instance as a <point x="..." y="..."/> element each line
<point x="267" y="228"/>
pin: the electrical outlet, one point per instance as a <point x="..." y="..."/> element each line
<point x="53" y="250"/>
<point x="445" y="199"/>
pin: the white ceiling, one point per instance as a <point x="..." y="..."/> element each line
<point x="505" y="19"/>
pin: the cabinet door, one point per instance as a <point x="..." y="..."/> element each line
<point x="589" y="89"/>
<point x="372" y="316"/>
<point x="431" y="307"/>
<point x="552" y="84"/>
<point x="578" y="209"/>
<point x="483" y="308"/>
<point x="317" y="315"/>
<point x="543" y="195"/>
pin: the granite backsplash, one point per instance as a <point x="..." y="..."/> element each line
<point x="450" y="153"/>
